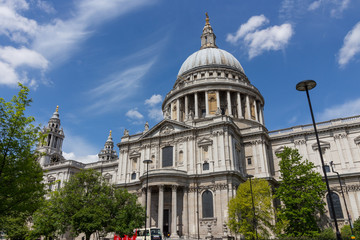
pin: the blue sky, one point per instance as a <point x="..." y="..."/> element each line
<point x="109" y="64"/>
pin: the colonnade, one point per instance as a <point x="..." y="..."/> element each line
<point x="206" y="103"/>
<point x="174" y="220"/>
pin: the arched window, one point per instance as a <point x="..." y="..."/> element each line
<point x="167" y="156"/>
<point x="206" y="166"/>
<point x="337" y="206"/>
<point x="181" y="157"/>
<point x="133" y="176"/>
<point x="207" y="204"/>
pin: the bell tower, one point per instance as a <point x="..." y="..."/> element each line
<point x="52" y="146"/>
<point x="108" y="153"/>
<point x="208" y="36"/>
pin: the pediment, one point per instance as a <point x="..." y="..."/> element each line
<point x="107" y="176"/>
<point x="323" y="145"/>
<point x="279" y="150"/>
<point x="357" y="140"/>
<point x="204" y="142"/>
<point x="134" y="153"/>
<point x="51" y="178"/>
<point x="164" y="128"/>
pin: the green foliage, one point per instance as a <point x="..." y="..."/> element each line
<point x="16" y="226"/>
<point x="346" y="232"/>
<point x="21" y="187"/>
<point x="356" y="228"/>
<point x="87" y="204"/>
<point x="327" y="234"/>
<point x="301" y="192"/>
<point x="241" y="213"/>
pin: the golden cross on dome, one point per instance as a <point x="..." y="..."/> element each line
<point x="110" y="133"/>
<point x="57" y="108"/>
<point x="207" y="18"/>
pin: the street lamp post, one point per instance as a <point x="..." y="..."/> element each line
<point x="342" y="193"/>
<point x="306" y="86"/>
<point x="253" y="206"/>
<point x="146" y="191"/>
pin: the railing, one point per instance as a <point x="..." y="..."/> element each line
<point x="66" y="163"/>
<point x="320" y="125"/>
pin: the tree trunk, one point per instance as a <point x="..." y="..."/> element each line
<point x="87" y="236"/>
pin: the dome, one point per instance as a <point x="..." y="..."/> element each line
<point x="210" y="56"/>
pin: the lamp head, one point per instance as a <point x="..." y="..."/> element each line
<point x="147" y="161"/>
<point x="305" y="85"/>
<point x="249" y="176"/>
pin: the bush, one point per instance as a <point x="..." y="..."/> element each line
<point x="327" y="234"/>
<point x="346" y="232"/>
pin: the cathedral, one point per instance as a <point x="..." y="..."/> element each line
<point x="211" y="138"/>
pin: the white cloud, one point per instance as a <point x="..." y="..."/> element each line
<point x="134" y="114"/>
<point x="8" y="76"/>
<point x="351" y="46"/>
<point x="117" y="87"/>
<point x="347" y="109"/>
<point x="155" y="114"/>
<point x="61" y="38"/>
<point x="258" y="41"/>
<point x="314" y="5"/>
<point x="252" y="24"/>
<point x="272" y="38"/>
<point x="155" y="99"/>
<point x="23" y="56"/>
<point x="79" y="149"/>
<point x="340" y="7"/>
<point x="45" y="6"/>
<point x="53" y="42"/>
<point x="15" y="26"/>
<point x="83" y="159"/>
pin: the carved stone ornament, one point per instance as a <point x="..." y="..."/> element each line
<point x="168" y="129"/>
<point x="204" y="142"/>
<point x="340" y="135"/>
<point x="357" y="140"/>
<point x="323" y="145"/>
<point x="352" y="188"/>
<point x="299" y="141"/>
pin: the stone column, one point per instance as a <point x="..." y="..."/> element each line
<point x="239" y="108"/>
<point x="261" y="116"/>
<point x="248" y="110"/>
<point x="347" y="150"/>
<point x="178" y="110"/>
<point x="186" y="107"/>
<point x="206" y="104"/>
<point x="255" y="162"/>
<point x="217" y="99"/>
<point x="339" y="148"/>
<point x="256" y="112"/>
<point x="51" y="140"/>
<point x="229" y="103"/>
<point x="196" y="105"/>
<point x="185" y="210"/>
<point x="148" y="220"/>
<point x="174" y="212"/>
<point x="161" y="208"/>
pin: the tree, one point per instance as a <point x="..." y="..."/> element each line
<point x="16" y="227"/>
<point x="88" y="204"/>
<point x="301" y="192"/>
<point x="241" y="215"/>
<point x="21" y="187"/>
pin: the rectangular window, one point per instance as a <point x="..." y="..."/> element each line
<point x="249" y="161"/>
<point x="167" y="156"/>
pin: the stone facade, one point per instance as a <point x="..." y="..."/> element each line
<point x="213" y="135"/>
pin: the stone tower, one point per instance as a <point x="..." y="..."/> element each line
<point x="52" y="146"/>
<point x="108" y="153"/>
